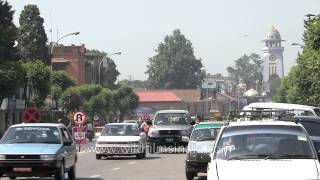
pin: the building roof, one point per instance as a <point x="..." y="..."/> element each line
<point x="273" y="35"/>
<point x="188" y="95"/>
<point x="157" y="96"/>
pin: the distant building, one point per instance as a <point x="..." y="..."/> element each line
<point x="70" y="59"/>
<point x="272" y="57"/>
<point x="218" y="83"/>
<point x="92" y="67"/>
<point x="189" y="99"/>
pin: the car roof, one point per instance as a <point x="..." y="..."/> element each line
<point x="38" y="124"/>
<point x="173" y="111"/>
<point x="308" y="118"/>
<point x="129" y="120"/>
<point x="279" y="106"/>
<point x="207" y="125"/>
<point x="134" y="124"/>
<point x="263" y="122"/>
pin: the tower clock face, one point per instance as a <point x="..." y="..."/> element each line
<point x="272" y="57"/>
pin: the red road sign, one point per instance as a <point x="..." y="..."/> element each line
<point x="31" y="115"/>
<point x="146" y="117"/>
<point x="79" y="118"/>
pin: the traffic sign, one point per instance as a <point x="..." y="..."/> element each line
<point x="96" y="117"/>
<point x="79" y="134"/>
<point x="79" y="118"/>
<point x="31" y="115"/>
<point x="146" y="117"/>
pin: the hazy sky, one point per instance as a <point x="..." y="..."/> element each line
<point x="221" y="31"/>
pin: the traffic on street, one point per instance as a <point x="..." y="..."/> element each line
<point x="159" y="90"/>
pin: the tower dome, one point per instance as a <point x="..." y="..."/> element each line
<point x="273" y="35"/>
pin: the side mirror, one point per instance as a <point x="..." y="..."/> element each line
<point x="192" y="122"/>
<point x="149" y="123"/>
<point x="67" y="143"/>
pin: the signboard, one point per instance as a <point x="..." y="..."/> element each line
<point x="146" y="117"/>
<point x="31" y="115"/>
<point x="79" y="118"/>
<point x="95" y="117"/>
<point x="79" y="135"/>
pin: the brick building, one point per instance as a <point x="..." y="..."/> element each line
<point x="72" y="60"/>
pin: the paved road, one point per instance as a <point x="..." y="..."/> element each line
<point x="154" y="167"/>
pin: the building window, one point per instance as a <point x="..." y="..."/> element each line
<point x="272" y="68"/>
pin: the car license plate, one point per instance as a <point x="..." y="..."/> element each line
<point x="22" y="169"/>
<point x="169" y="139"/>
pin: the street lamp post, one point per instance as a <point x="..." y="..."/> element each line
<point x="297" y="44"/>
<point x="105" y="58"/>
<point x="56" y="43"/>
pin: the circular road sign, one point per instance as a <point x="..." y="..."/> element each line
<point x="146" y="117"/>
<point x="31" y="115"/>
<point x="96" y="117"/>
<point x="79" y="118"/>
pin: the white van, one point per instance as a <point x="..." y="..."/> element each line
<point x="298" y="109"/>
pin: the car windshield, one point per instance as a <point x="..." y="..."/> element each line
<point x="171" y="119"/>
<point x="204" y="134"/>
<point x="32" y="134"/>
<point x="317" y="111"/>
<point x="267" y="142"/>
<point x="120" y="130"/>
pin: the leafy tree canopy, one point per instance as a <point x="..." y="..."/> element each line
<point x="61" y="78"/>
<point x="38" y="77"/>
<point x="302" y="84"/>
<point x="175" y="66"/>
<point x="8" y="33"/>
<point x="247" y="68"/>
<point x="11" y="77"/>
<point x="32" y="37"/>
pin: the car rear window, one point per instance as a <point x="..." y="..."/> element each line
<point x="313" y="128"/>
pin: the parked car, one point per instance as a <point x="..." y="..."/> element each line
<point x="200" y="146"/>
<point x="170" y="128"/>
<point x="265" y="149"/>
<point x="38" y="149"/>
<point x="312" y="125"/>
<point x="121" y="139"/>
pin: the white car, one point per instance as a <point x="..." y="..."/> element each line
<point x="121" y="139"/>
<point x="263" y="150"/>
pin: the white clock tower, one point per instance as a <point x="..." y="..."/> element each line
<point x="272" y="57"/>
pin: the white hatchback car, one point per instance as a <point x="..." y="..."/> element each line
<point x="121" y="139"/>
<point x="264" y="150"/>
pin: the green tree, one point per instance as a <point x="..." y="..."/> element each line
<point x="11" y="76"/>
<point x="125" y="100"/>
<point x="8" y="33"/>
<point x="60" y="81"/>
<point x="38" y="77"/>
<point x="32" y="38"/>
<point x="71" y="99"/>
<point x="275" y="83"/>
<point x="302" y="84"/>
<point x="175" y="66"/>
<point x="100" y="103"/>
<point x="109" y="73"/>
<point x="247" y="68"/>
